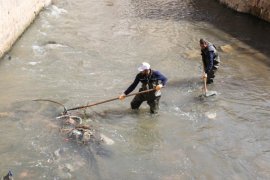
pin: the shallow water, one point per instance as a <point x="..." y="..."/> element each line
<point x="81" y="52"/>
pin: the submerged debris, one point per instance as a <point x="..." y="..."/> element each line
<point x="72" y="127"/>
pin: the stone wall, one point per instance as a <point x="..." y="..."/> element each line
<point x="259" y="8"/>
<point x="15" y="17"/>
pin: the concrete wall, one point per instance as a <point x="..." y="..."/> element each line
<point x="259" y="8"/>
<point x="15" y="17"/>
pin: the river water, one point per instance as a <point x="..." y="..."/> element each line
<point x="81" y="52"/>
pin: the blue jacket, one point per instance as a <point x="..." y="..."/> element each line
<point x="148" y="82"/>
<point x="209" y="54"/>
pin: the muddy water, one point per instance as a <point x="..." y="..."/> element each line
<point x="79" y="52"/>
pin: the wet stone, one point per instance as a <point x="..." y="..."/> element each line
<point x="227" y="48"/>
<point x="4" y="114"/>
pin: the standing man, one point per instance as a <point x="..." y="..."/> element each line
<point x="210" y="60"/>
<point x="150" y="79"/>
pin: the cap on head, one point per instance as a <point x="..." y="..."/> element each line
<point x="144" y="66"/>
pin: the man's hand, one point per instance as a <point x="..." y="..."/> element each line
<point x="122" y="96"/>
<point x="158" y="87"/>
<point x="204" y="76"/>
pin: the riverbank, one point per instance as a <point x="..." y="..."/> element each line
<point x="15" y="17"/>
<point x="259" y="8"/>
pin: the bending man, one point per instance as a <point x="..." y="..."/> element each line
<point x="150" y="79"/>
<point x="210" y="60"/>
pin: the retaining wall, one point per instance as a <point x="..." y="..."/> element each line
<point x="259" y="8"/>
<point x="15" y="17"/>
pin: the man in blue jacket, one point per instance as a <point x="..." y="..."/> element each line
<point x="150" y="79"/>
<point x="210" y="60"/>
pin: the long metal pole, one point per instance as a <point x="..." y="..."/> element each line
<point x="109" y="100"/>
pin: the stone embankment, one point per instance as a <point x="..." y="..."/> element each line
<point x="15" y="17"/>
<point x="259" y="8"/>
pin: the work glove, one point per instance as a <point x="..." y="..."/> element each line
<point x="158" y="87"/>
<point x="122" y="96"/>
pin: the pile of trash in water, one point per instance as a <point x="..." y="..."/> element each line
<point x="74" y="129"/>
<point x="72" y="126"/>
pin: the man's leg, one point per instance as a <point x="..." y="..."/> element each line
<point x="210" y="77"/>
<point x="154" y="105"/>
<point x="137" y="101"/>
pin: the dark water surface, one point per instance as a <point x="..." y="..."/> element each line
<point x="79" y="52"/>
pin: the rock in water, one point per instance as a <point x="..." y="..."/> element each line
<point x="227" y="48"/>
<point x="210" y="93"/>
<point x="106" y="140"/>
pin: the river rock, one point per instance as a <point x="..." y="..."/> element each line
<point x="227" y="48"/>
<point x="106" y="139"/>
<point x="193" y="54"/>
<point x="109" y="3"/>
<point x="4" y="114"/>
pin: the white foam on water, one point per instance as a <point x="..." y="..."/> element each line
<point x="42" y="33"/>
<point x="54" y="46"/>
<point x="38" y="50"/>
<point x="33" y="63"/>
<point x="211" y="115"/>
<point x="55" y="11"/>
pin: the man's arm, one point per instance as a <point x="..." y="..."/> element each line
<point x="211" y="62"/>
<point x="161" y="77"/>
<point x="133" y="85"/>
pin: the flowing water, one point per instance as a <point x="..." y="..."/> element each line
<point x="80" y="52"/>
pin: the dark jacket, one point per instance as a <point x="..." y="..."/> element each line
<point x="148" y="82"/>
<point x="210" y="58"/>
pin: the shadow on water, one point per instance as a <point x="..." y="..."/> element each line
<point x="246" y="28"/>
